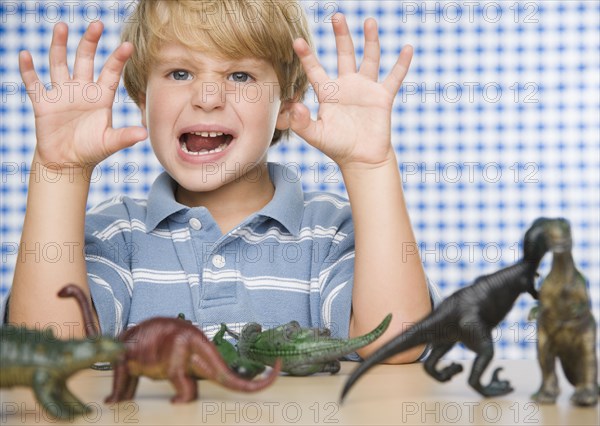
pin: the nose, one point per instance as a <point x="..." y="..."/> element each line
<point x="208" y="95"/>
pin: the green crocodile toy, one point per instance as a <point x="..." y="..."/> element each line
<point x="38" y="359"/>
<point x="303" y="351"/>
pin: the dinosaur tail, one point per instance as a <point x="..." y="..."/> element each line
<point x="211" y="365"/>
<point x="339" y="348"/>
<point x="414" y="336"/>
<point x="72" y="290"/>
<point x="230" y="380"/>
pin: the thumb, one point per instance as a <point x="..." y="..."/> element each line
<point x="305" y="127"/>
<point x="125" y="137"/>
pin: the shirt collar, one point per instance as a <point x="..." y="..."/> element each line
<point x="286" y="207"/>
<point x="161" y="201"/>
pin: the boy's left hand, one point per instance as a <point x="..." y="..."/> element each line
<point x="353" y="125"/>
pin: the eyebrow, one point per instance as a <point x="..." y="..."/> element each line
<point x="167" y="59"/>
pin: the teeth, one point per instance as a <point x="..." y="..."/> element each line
<point x="207" y="134"/>
<point x="203" y="151"/>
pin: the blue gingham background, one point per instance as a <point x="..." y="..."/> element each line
<point x="497" y="123"/>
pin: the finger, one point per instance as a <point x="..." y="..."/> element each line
<point x="370" y="63"/>
<point x="113" y="68"/>
<point x="118" y="139"/>
<point x="59" y="71"/>
<point x="28" y="74"/>
<point x="313" y="69"/>
<point x="32" y="82"/>
<point x="394" y="80"/>
<point x="344" y="45"/>
<point x="303" y="125"/>
<point x="86" y="51"/>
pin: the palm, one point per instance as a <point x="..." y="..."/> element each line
<point x="351" y="122"/>
<point x="354" y="117"/>
<point x="72" y="123"/>
<point x="73" y="118"/>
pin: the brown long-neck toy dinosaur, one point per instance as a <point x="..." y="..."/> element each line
<point x="173" y="349"/>
<point x="168" y="348"/>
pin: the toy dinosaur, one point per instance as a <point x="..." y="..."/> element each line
<point x="172" y="349"/>
<point x="303" y="351"/>
<point x="469" y="316"/>
<point x="243" y="367"/>
<point x="40" y="360"/>
<point x="566" y="327"/>
<point x="168" y="348"/>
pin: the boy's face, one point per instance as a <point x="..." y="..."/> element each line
<point x="210" y="120"/>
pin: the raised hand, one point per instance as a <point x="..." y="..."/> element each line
<point x="353" y="125"/>
<point x="73" y="119"/>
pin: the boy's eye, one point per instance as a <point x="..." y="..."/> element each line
<point x="181" y="75"/>
<point x="240" y="77"/>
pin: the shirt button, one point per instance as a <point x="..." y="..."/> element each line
<point x="218" y="261"/>
<point x="195" y="224"/>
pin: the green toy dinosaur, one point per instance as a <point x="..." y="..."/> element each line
<point x="566" y="326"/>
<point x="303" y="351"/>
<point x="40" y="360"/>
<point x="244" y="367"/>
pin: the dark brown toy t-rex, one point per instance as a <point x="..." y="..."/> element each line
<point x="469" y="315"/>
<point x="565" y="325"/>
<point x="166" y="348"/>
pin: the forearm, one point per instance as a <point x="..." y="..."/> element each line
<point x="51" y="252"/>
<point x="388" y="273"/>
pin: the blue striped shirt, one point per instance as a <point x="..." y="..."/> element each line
<point x="292" y="260"/>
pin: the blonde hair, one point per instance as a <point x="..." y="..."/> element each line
<point x="263" y="29"/>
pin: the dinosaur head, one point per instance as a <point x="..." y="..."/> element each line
<point x="558" y="233"/>
<point x="249" y="334"/>
<point x="538" y="239"/>
<point x="543" y="236"/>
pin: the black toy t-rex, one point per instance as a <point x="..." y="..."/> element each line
<point x="469" y="316"/>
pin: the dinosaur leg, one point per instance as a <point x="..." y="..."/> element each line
<point x="446" y="373"/>
<point x="186" y="387"/>
<point x="130" y="387"/>
<point x="75" y="405"/>
<point x="331" y="367"/>
<point x="123" y="384"/>
<point x="581" y="368"/>
<point x="482" y="344"/>
<point x="47" y="390"/>
<point x="549" y="389"/>
<point x="308" y="369"/>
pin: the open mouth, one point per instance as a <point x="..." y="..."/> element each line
<point x="204" y="143"/>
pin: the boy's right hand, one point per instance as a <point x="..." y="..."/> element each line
<point x="73" y="121"/>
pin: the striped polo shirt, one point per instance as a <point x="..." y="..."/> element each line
<point x="292" y="260"/>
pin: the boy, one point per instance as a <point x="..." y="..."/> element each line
<point x="224" y="236"/>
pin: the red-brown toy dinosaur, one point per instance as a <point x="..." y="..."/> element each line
<point x="173" y="349"/>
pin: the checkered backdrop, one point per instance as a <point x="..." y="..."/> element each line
<point x="497" y="124"/>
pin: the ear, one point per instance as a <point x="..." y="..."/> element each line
<point x="283" y="118"/>
<point x="142" y="105"/>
